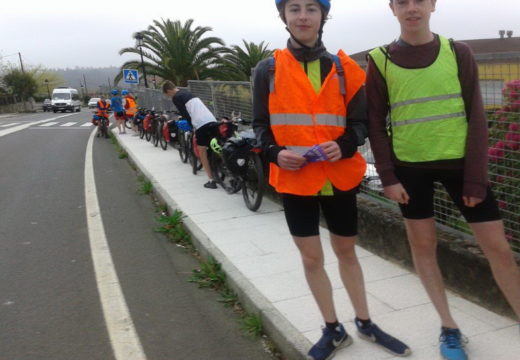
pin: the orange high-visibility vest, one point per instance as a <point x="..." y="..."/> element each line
<point x="300" y="118"/>
<point x="130" y="106"/>
<point x="102" y="108"/>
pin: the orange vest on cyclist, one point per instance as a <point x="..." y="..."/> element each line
<point x="300" y="118"/>
<point x="102" y="108"/>
<point x="130" y="106"/>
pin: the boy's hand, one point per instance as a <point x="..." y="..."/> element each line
<point x="289" y="160"/>
<point x="471" y="201"/>
<point x="332" y="150"/>
<point x="397" y="193"/>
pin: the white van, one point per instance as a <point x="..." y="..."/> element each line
<point x="64" y="98"/>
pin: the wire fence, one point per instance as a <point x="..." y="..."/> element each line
<point x="500" y="86"/>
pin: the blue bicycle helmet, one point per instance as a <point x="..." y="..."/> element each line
<point x="115" y="92"/>
<point x="325" y="4"/>
<point x="124" y="92"/>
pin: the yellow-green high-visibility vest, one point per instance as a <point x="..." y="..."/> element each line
<point x="427" y="114"/>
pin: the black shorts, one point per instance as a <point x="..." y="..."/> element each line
<point x="339" y="210"/>
<point x="419" y="184"/>
<point x="205" y="133"/>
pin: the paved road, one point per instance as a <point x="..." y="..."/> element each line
<point x="49" y="301"/>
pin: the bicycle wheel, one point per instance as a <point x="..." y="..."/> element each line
<point x="148" y="133"/>
<point x="253" y="185"/>
<point x="183" y="153"/>
<point x="128" y="123"/>
<point x="162" y="140"/>
<point x="156" y="134"/>
<point x="194" y="162"/>
<point x="231" y="184"/>
<point x="141" y="131"/>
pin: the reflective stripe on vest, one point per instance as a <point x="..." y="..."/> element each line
<point x="301" y="118"/>
<point x="306" y="120"/>
<point x="427" y="113"/>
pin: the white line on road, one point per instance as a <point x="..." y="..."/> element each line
<point x="49" y="123"/>
<point x="25" y="126"/>
<point x="123" y="336"/>
<point x="69" y="124"/>
<point x="10" y="124"/>
<point x="87" y="124"/>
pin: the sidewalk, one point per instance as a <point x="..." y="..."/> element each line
<point x="258" y="255"/>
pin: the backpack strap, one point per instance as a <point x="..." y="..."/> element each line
<point x="341" y="74"/>
<point x="271" y="70"/>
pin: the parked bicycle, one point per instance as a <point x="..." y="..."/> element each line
<point x="244" y="158"/>
<point x="219" y="169"/>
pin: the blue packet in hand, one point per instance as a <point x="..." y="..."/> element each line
<point x="315" y="154"/>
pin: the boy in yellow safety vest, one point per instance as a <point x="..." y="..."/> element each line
<point x="310" y="122"/>
<point x="427" y="124"/>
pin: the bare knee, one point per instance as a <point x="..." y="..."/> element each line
<point x="312" y="263"/>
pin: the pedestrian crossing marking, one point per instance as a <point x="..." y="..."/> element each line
<point x="49" y="123"/>
<point x="11" y="124"/>
<point x="87" y="124"/>
<point x="69" y="124"/>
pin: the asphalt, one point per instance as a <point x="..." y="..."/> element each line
<point x="263" y="266"/>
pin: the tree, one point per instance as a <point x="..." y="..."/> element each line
<point x="174" y="51"/>
<point x="20" y="83"/>
<point x="239" y="62"/>
<point x="41" y="74"/>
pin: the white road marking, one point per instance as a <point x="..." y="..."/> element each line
<point x="123" y="336"/>
<point x="11" y="124"/>
<point x="50" y="123"/>
<point x="87" y="124"/>
<point x="69" y="124"/>
<point x="29" y="124"/>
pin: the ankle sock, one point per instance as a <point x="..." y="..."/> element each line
<point x="364" y="324"/>
<point x="332" y="326"/>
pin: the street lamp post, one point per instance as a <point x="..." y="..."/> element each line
<point x="140" y="42"/>
<point x="48" y="91"/>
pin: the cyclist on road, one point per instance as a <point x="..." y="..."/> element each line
<point x="130" y="106"/>
<point x="102" y="108"/>
<point x="119" y="111"/>
<point x="310" y="122"/>
<point x="202" y="120"/>
<point x="427" y="124"/>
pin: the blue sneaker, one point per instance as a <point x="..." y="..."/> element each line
<point x="329" y="343"/>
<point x="389" y="343"/>
<point x="452" y="344"/>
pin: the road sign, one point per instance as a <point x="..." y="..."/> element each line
<point x="130" y="76"/>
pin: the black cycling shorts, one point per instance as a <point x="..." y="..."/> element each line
<point x="339" y="210"/>
<point x="205" y="133"/>
<point x="419" y="184"/>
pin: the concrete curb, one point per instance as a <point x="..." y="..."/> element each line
<point x="288" y="340"/>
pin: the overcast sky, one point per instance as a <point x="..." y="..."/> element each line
<point x="58" y="33"/>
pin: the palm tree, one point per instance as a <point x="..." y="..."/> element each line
<point x="239" y="62"/>
<point x="174" y="51"/>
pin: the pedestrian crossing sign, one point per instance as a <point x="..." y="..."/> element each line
<point x="130" y="76"/>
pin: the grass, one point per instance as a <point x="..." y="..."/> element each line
<point x="173" y="228"/>
<point x="209" y="275"/>
<point x="146" y="187"/>
<point x="251" y="324"/>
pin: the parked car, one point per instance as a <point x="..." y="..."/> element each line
<point x="92" y="102"/>
<point x="47" y="105"/>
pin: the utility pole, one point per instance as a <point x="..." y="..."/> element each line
<point x="109" y="84"/>
<point x="85" y="82"/>
<point x="21" y="63"/>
